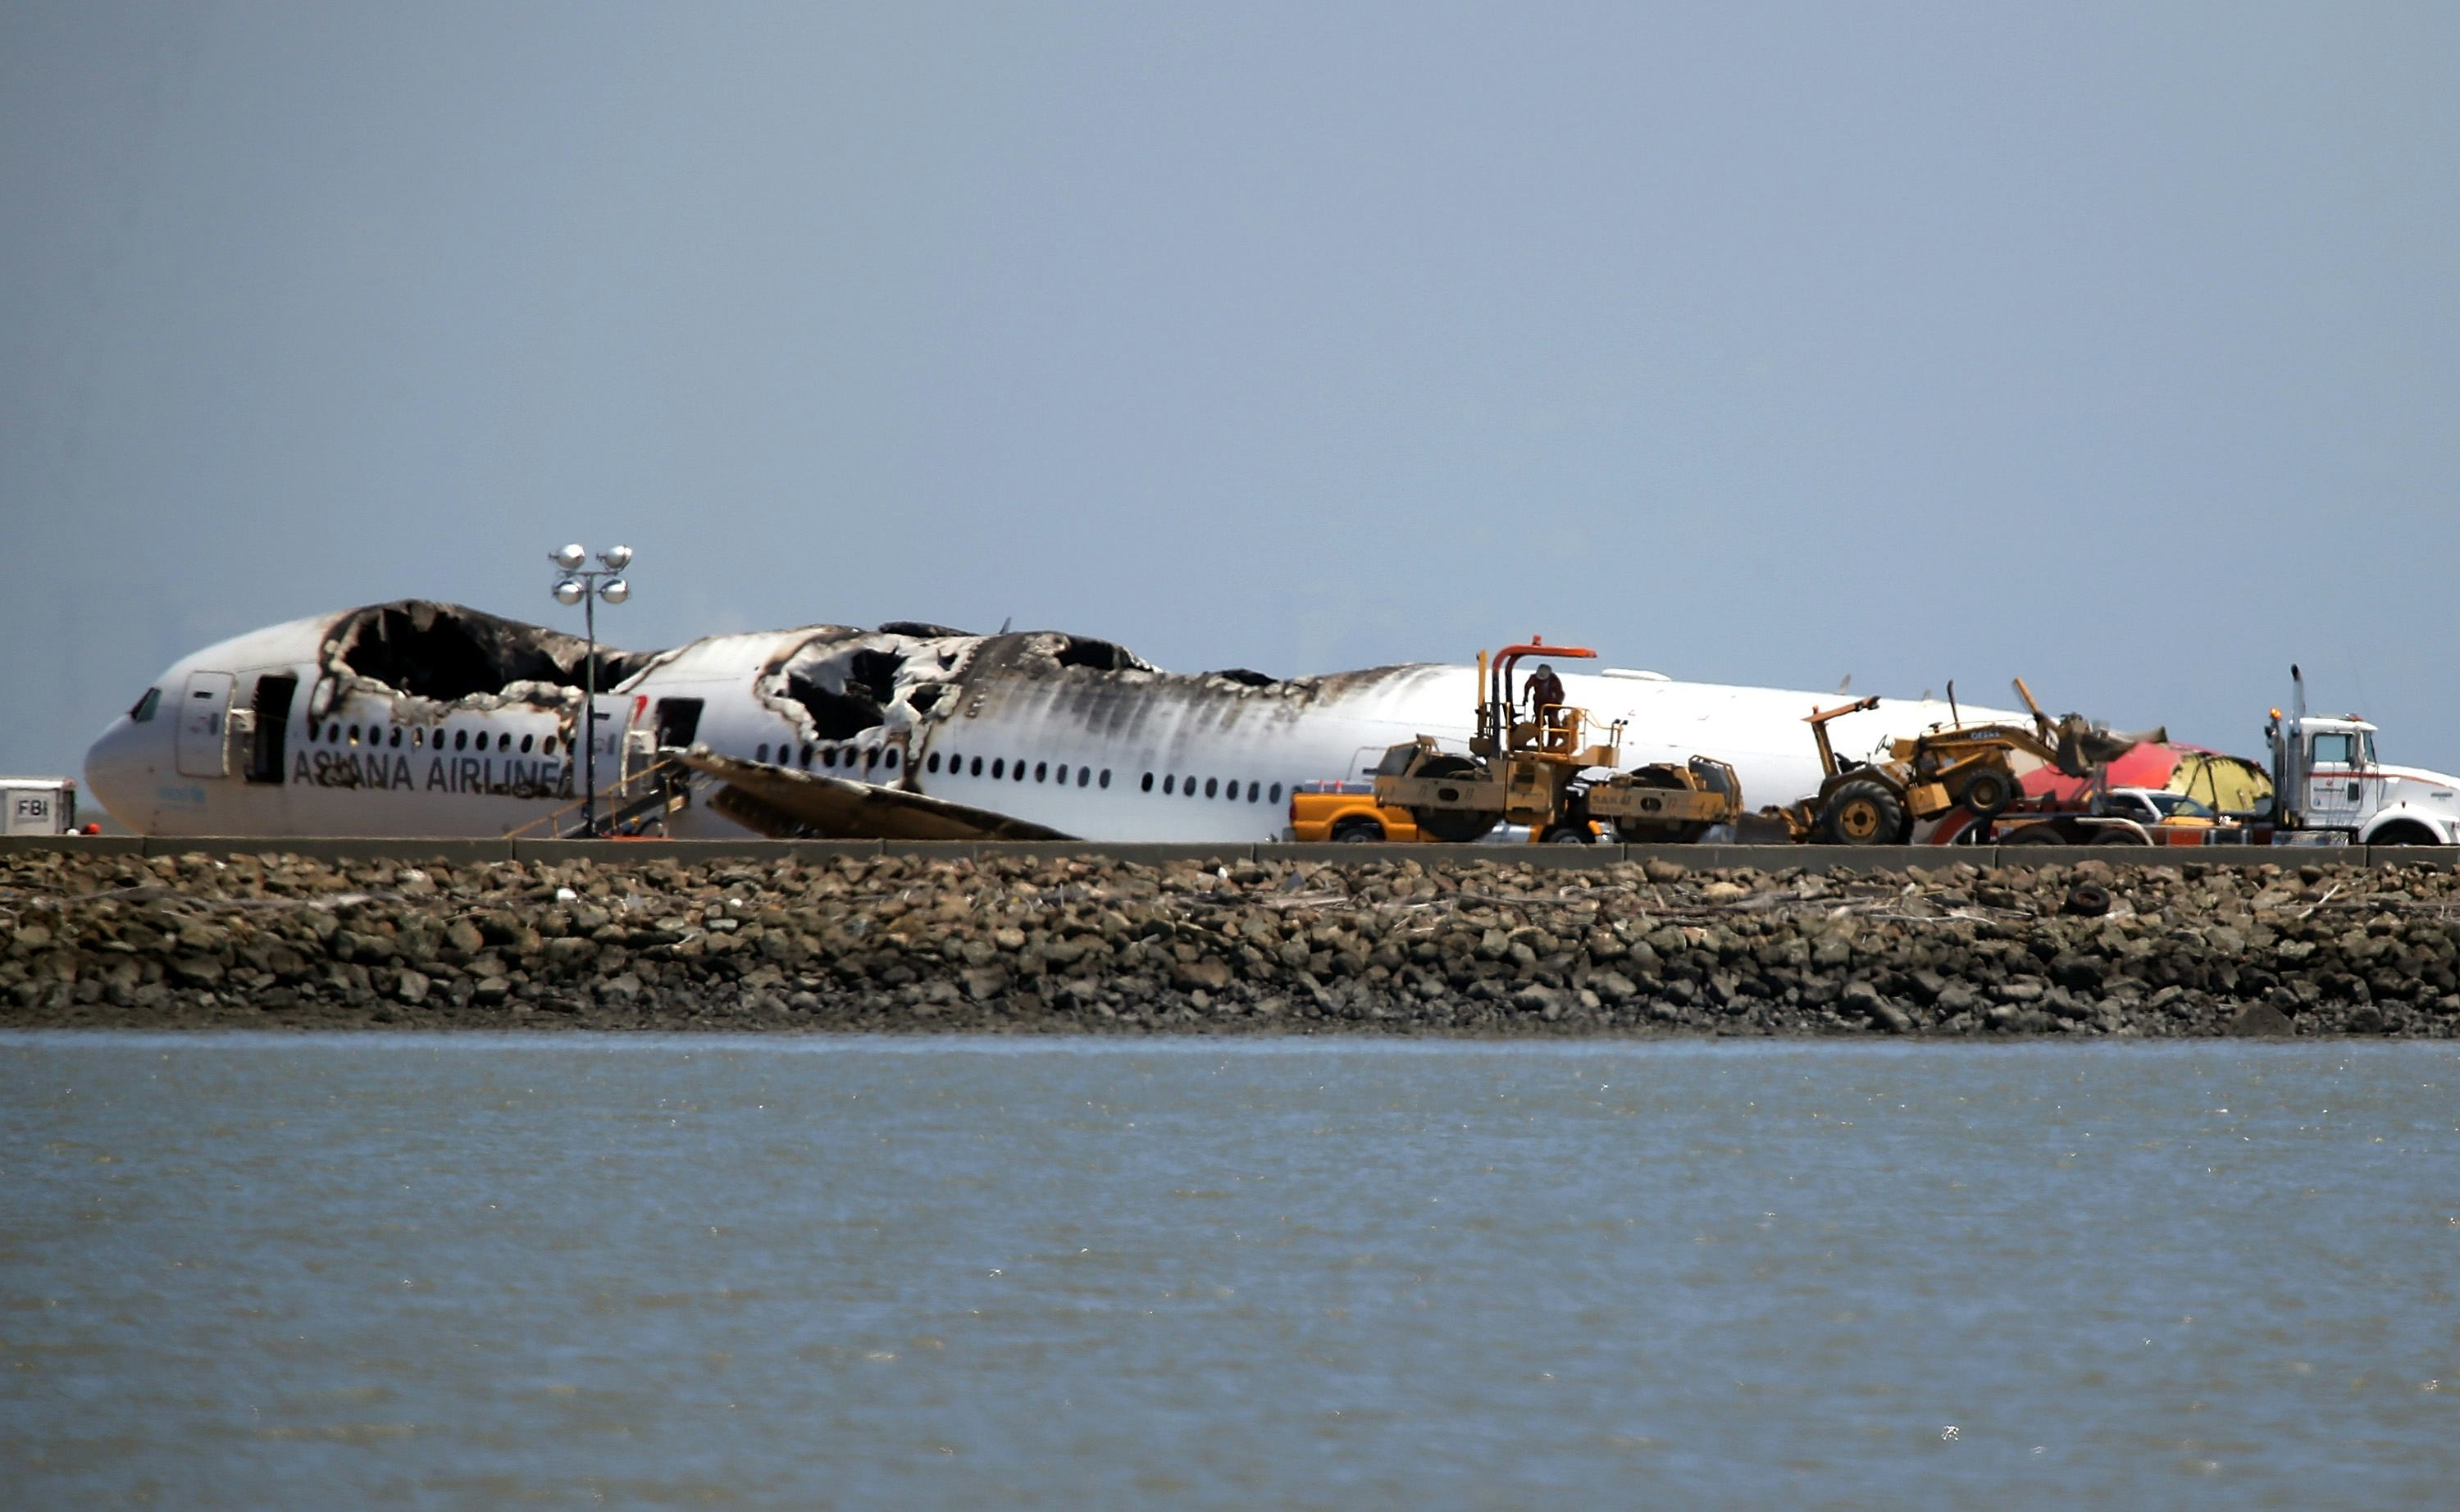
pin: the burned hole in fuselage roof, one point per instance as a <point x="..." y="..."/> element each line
<point x="446" y="652"/>
<point x="1102" y="656"/>
<point x="870" y="684"/>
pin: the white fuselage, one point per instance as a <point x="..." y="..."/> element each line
<point x="1124" y="755"/>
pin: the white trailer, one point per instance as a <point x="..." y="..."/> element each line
<point x="37" y="805"/>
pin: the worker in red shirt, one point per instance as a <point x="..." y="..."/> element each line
<point x="1545" y="695"/>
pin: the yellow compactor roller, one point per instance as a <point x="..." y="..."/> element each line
<point x="1538" y="772"/>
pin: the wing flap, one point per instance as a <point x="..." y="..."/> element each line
<point x="784" y="803"/>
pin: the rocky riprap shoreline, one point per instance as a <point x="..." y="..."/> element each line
<point x="1482" y="946"/>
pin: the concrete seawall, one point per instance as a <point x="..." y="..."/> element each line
<point x="1443" y="939"/>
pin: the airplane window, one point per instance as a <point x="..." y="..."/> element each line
<point x="828" y="755"/>
<point x="976" y="770"/>
<point x="1276" y="796"/>
<point x="392" y="735"/>
<point x="1212" y="787"/>
<point x="547" y="746"/>
<point x="526" y="741"/>
<point x="932" y="765"/>
<point x="892" y="758"/>
<point x="460" y="739"/>
<point x="999" y="766"/>
<point x="1106" y="776"/>
<point x="1084" y="776"/>
<point x="1017" y="771"/>
<point x="1169" y="782"/>
<point x="762" y="754"/>
<point x="871" y="758"/>
<point x="806" y="755"/>
<point x="354" y="734"/>
<point x="504" y="741"/>
<point x="1042" y="770"/>
<point x="1253" y="789"/>
<point x="1188" y="787"/>
<point x="145" y="706"/>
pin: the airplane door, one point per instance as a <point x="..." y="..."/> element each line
<point x="678" y="722"/>
<point x="205" y="711"/>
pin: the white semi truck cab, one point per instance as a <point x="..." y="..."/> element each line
<point x="2325" y="777"/>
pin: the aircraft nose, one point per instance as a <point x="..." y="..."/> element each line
<point x="118" y="773"/>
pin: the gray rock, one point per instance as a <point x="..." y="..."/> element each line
<point x="1544" y="1001"/>
<point x="1613" y="987"/>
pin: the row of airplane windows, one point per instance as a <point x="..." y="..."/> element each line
<point x="1001" y="770"/>
<point x="391" y="737"/>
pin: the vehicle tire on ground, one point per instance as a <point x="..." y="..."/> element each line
<point x="1358" y="829"/>
<point x="1863" y="813"/>
<point x="2033" y="834"/>
<point x="1636" y="831"/>
<point x="1453" y="826"/>
<point x="2116" y="835"/>
<point x="2401" y="833"/>
<point x="1570" y="835"/>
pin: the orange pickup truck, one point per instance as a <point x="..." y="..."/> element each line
<point x="1345" y="811"/>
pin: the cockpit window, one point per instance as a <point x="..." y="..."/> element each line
<point x="146" y="706"/>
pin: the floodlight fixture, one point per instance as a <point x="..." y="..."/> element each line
<point x="585" y="585"/>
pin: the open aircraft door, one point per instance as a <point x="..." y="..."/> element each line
<point x="205" y="719"/>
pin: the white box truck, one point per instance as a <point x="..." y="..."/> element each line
<point x="37" y="805"/>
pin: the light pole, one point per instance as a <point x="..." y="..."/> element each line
<point x="585" y="585"/>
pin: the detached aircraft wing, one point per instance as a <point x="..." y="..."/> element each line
<point x="784" y="803"/>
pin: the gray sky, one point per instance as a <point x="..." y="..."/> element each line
<point x="2118" y="346"/>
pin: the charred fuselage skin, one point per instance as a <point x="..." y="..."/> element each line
<point x="431" y="720"/>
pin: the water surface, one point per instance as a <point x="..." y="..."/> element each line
<point x="481" y="1271"/>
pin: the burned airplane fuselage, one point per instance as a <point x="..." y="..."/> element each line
<point x="430" y="719"/>
<point x="424" y="718"/>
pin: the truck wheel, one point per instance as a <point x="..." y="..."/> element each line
<point x="2401" y="833"/>
<point x="1863" y="813"/>
<point x="2033" y="834"/>
<point x="1357" y="830"/>
<point x="1570" y="835"/>
<point x="1986" y="793"/>
<point x="1453" y="826"/>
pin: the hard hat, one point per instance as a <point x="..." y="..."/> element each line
<point x="1547" y="667"/>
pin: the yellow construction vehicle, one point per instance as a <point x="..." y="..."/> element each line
<point x="1535" y="772"/>
<point x="1955" y="765"/>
